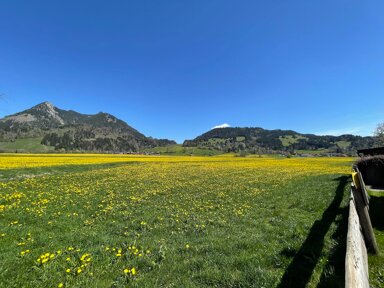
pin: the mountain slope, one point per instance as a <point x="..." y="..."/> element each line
<point x="70" y="130"/>
<point x="259" y="140"/>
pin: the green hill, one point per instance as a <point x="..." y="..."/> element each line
<point x="259" y="141"/>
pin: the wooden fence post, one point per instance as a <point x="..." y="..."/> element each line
<point x="362" y="187"/>
<point x="365" y="221"/>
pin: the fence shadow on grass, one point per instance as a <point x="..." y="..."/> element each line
<point x="304" y="262"/>
<point x="333" y="274"/>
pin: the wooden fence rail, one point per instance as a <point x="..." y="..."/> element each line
<point x="356" y="260"/>
<point x="360" y="237"/>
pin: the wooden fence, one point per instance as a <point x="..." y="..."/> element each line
<point x="360" y="238"/>
<point x="356" y="260"/>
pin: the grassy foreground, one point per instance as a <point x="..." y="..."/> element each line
<point x="130" y="221"/>
<point x="376" y="262"/>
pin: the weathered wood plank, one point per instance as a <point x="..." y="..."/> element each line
<point x="359" y="184"/>
<point x="356" y="260"/>
<point x="365" y="220"/>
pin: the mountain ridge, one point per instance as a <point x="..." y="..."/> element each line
<point x="259" y="140"/>
<point x="69" y="130"/>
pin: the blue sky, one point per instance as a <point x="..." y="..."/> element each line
<point x="175" y="69"/>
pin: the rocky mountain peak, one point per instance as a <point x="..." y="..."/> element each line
<point x="49" y="111"/>
<point x="44" y="106"/>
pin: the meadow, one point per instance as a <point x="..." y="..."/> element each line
<point x="172" y="221"/>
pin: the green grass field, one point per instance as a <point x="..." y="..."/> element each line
<point x="31" y="145"/>
<point x="376" y="262"/>
<point x="343" y="144"/>
<point x="318" y="151"/>
<point x="126" y="221"/>
<point x="179" y="150"/>
<point x="288" y="140"/>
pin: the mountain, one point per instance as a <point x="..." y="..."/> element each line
<point x="259" y="140"/>
<point x="70" y="130"/>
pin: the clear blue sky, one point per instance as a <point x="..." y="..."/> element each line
<point x="177" y="68"/>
